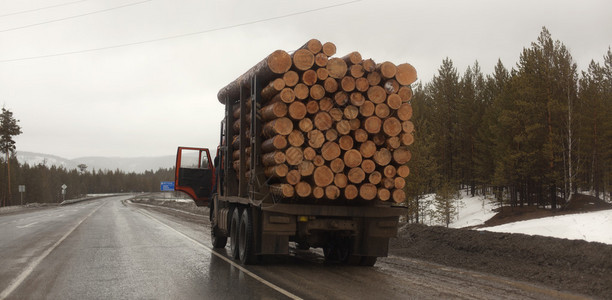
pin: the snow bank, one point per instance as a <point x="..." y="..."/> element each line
<point x="592" y="227"/>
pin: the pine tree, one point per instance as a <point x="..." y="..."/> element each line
<point x="446" y="210"/>
<point x="8" y="129"/>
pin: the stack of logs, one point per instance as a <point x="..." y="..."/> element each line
<point x="333" y="127"/>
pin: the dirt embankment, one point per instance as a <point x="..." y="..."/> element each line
<point x="569" y="265"/>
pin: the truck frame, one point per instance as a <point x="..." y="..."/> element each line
<point x="245" y="209"/>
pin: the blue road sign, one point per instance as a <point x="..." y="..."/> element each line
<point x="167" y="186"/>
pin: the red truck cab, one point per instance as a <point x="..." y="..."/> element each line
<point x="194" y="174"/>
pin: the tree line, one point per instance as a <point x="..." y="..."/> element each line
<point x="43" y="183"/>
<point x="531" y="135"/>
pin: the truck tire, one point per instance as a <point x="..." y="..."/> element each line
<point x="217" y="240"/>
<point x="234" y="239"/>
<point x="246" y="238"/>
<point x="337" y="251"/>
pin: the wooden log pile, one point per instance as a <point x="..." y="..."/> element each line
<point x="333" y="127"/>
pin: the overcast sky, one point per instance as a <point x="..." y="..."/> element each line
<point x="133" y="97"/>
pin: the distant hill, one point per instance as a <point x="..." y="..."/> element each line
<point x="126" y="164"/>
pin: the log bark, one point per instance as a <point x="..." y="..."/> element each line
<point x="273" y="158"/>
<point x="273" y="88"/>
<point x="368" y="191"/>
<point x="336" y="67"/>
<point x="323" y="176"/>
<point x="303" y="59"/>
<point x="303" y="189"/>
<point x="406" y="74"/>
<point x="282" y="126"/>
<point x="274" y="111"/>
<point x="277" y="142"/>
<point x="282" y="189"/>
<point x="275" y="64"/>
<point x="278" y="171"/>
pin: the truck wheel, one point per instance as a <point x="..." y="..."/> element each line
<point x="217" y="241"/>
<point x="368" y="261"/>
<point x="245" y="238"/>
<point x="234" y="232"/>
<point x="337" y="251"/>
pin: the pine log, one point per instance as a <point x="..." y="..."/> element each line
<point x="379" y="139"/>
<point x="393" y="142"/>
<point x="312" y="107"/>
<point x="341" y="98"/>
<point x="388" y="183"/>
<point x="318" y="161"/>
<point x="275" y="64"/>
<point x="382" y="157"/>
<point x="377" y="94"/>
<point x="293" y="177"/>
<point x="351" y="192"/>
<point x="331" y="135"/>
<point x="303" y="189"/>
<point x="323" y="121"/>
<point x="340" y="180"/>
<point x="404" y="112"/>
<point x="316" y="138"/>
<point x="372" y="124"/>
<point x="286" y="95"/>
<point x="303" y="59"/>
<point x="282" y="189"/>
<point x="317" y="92"/>
<point x="301" y="91"/>
<point x="323" y="176"/>
<point x="296" y="138"/>
<point x="357" y="71"/>
<point x="330" y="84"/>
<point x="407" y="127"/>
<point x="367" y="108"/>
<point x="389" y="171"/>
<point x="273" y="88"/>
<point x="405" y="92"/>
<point x="392" y="126"/>
<point x="321" y="59"/>
<point x="357" y="99"/>
<point x="368" y="191"/>
<point x="330" y="151"/>
<point x="387" y="69"/>
<point x="356" y="175"/>
<point x="295" y="155"/>
<point x="306" y="125"/>
<point x="337" y="165"/>
<point x="297" y="110"/>
<point x="351" y="112"/>
<point x="347" y="83"/>
<point x="367" y="149"/>
<point x="406" y="74"/>
<point x="277" y="142"/>
<point x="278" y="171"/>
<point x="352" y="158"/>
<point x="360" y="135"/>
<point x="406" y="139"/>
<point x="368" y="65"/>
<point x="332" y="192"/>
<point x="313" y="45"/>
<point x="402" y="156"/>
<point x="282" y="126"/>
<point x="352" y="58"/>
<point x="336" y="114"/>
<point x="343" y="127"/>
<point x="391" y="86"/>
<point x="306" y="168"/>
<point x="403" y="171"/>
<point x="329" y="49"/>
<point x="309" y="153"/>
<point x="375" y="177"/>
<point x="398" y="196"/>
<point x="326" y="104"/>
<point x="322" y="74"/>
<point x="355" y="124"/>
<point x="345" y="142"/>
<point x="374" y="78"/>
<point x="384" y="194"/>
<point x="394" y="101"/>
<point x="273" y="158"/>
<point x="309" y="77"/>
<point x="368" y="166"/>
<point x="336" y="67"/>
<point x="291" y="78"/>
<point x="362" y="84"/>
<point x="382" y="110"/>
<point x="318" y="192"/>
<point x="273" y="111"/>
<point x="400" y="182"/>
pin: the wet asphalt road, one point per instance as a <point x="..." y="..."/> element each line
<point x="112" y="249"/>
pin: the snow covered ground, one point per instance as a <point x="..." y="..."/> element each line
<point x="592" y="227"/>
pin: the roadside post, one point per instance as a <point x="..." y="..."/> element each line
<point x="21" y="191"/>
<point x="64" y="192"/>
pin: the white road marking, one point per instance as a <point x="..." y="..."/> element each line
<point x="26" y="226"/>
<point x="229" y="261"/>
<point x="28" y="270"/>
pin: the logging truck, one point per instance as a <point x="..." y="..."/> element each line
<point x="312" y="153"/>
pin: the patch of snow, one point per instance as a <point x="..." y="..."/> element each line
<point x="591" y="227"/>
<point x="473" y="211"/>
